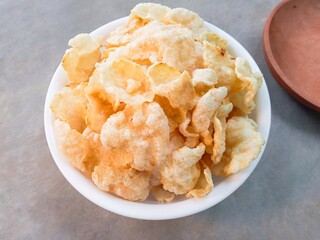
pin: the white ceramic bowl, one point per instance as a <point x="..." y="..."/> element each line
<point x="149" y="209"/>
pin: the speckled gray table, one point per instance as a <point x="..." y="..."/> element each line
<point x="281" y="199"/>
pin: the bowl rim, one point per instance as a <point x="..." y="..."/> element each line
<point x="274" y="67"/>
<point x="155" y="211"/>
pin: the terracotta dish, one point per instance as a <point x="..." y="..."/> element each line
<point x="291" y="41"/>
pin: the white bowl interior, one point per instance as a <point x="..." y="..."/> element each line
<point x="151" y="210"/>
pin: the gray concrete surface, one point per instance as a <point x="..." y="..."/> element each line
<point x="281" y="199"/>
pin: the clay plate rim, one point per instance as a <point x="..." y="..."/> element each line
<point x="276" y="70"/>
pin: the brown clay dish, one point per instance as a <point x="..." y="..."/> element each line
<point x="291" y="41"/>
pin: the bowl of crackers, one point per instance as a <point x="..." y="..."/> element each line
<point x="158" y="115"/>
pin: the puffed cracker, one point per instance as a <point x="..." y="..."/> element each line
<point x="181" y="172"/>
<point x="70" y="105"/>
<point x="79" y="61"/>
<point x="243" y="145"/>
<point x="140" y="131"/>
<point x="207" y="107"/>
